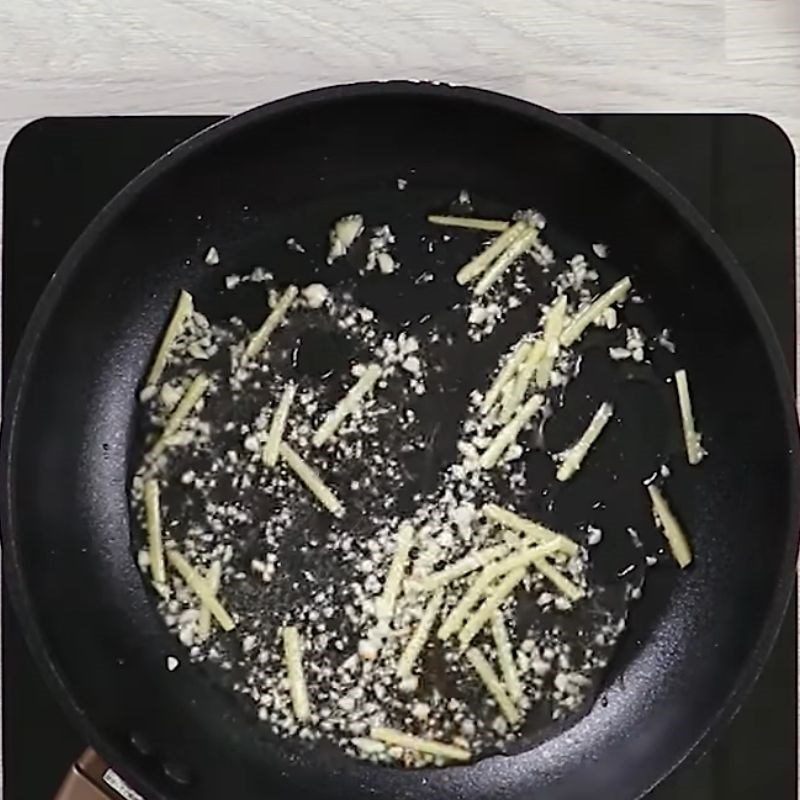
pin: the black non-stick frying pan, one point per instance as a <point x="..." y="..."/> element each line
<point x="697" y="639"/>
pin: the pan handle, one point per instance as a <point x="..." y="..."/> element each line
<point x="90" y="778"/>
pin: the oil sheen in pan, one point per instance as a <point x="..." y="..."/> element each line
<point x="321" y="350"/>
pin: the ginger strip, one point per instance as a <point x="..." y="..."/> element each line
<point x="469" y="563"/>
<point x="521" y="559"/>
<point x="481" y="262"/>
<point x="493" y="684"/>
<point x="420" y="636"/>
<point x="278" y="425"/>
<point x="191" y="397"/>
<point x="673" y="532"/>
<point x="504" y="260"/>
<point x="493" y="225"/>
<point x="311" y="480"/>
<point x="553" y="326"/>
<point x="347" y="405"/>
<point x="522" y="381"/>
<point x="213" y="577"/>
<point x="200" y="587"/>
<point x="460" y="612"/>
<point x="183" y="310"/>
<point x="572" y="458"/>
<point x="535" y="530"/>
<point x="293" y="657"/>
<point x="583" y="319"/>
<point x="492" y="603"/>
<point x="505" y="657"/>
<point x="508" y="434"/>
<point x="260" y="338"/>
<point x="517" y="357"/>
<point x="693" y="440"/>
<point x="455" y="619"/>
<point x="392" y="737"/>
<point x="570" y="590"/>
<point x="155" y="542"/>
<point x="386" y="602"/>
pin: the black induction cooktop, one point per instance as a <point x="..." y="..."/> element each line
<point x="738" y="170"/>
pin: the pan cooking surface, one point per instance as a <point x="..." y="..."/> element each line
<point x="394" y="467"/>
<point x="690" y="634"/>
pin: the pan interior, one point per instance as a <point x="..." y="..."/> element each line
<point x="289" y="171"/>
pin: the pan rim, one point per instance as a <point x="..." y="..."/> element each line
<point x="749" y="669"/>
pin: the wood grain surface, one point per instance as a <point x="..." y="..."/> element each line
<point x="150" y="56"/>
<point x="127" y="56"/>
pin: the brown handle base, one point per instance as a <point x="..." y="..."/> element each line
<point x="90" y="778"/>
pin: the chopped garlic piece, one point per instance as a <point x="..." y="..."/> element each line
<point x="583" y="319"/>
<point x="212" y="579"/>
<point x="420" y="635"/>
<point x="463" y="566"/>
<point x="348" y="404"/>
<point x="200" y="587"/>
<point x="155" y="543"/>
<point x="564" y="585"/>
<point x="497" y="225"/>
<point x="505" y="657"/>
<point x="517" y="248"/>
<point x="694" y="448"/>
<point x="259" y="339"/>
<point x="292" y="653"/>
<point x="513" y="399"/>
<point x="517" y="357"/>
<point x="315" y="295"/>
<point x="481" y="262"/>
<point x="344" y="232"/>
<point x="535" y="530"/>
<point x="676" y="538"/>
<point x="386" y="263"/>
<point x="191" y="397"/>
<point x="508" y="434"/>
<point x="572" y="458"/>
<point x="385" y="604"/>
<point x="310" y="478"/>
<point x="493" y="684"/>
<point x="278" y="425"/>
<point x="491" y="604"/>
<point x="183" y="310"/>
<point x="369" y="747"/>
<point x="554" y="324"/>
<point x="391" y="737"/>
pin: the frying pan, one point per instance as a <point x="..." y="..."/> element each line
<point x="695" y="642"/>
